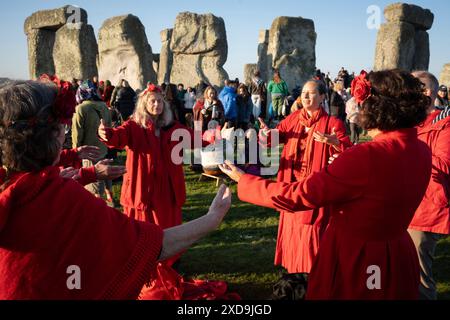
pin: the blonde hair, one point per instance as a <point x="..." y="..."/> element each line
<point x="338" y="86"/>
<point x="141" y="115"/>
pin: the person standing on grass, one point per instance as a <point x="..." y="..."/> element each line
<point x="278" y="90"/>
<point x="310" y="136"/>
<point x="373" y="190"/>
<point x="432" y="218"/>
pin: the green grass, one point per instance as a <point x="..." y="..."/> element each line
<point x="241" y="251"/>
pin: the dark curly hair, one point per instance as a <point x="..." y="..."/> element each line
<point x="28" y="127"/>
<point x="397" y="101"/>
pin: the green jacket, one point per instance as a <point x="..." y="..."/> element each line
<point x="278" y="87"/>
<point x="85" y="124"/>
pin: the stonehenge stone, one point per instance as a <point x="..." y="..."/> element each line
<point x="422" y="51"/>
<point x="155" y="62"/>
<point x="200" y="49"/>
<point x="166" y="57"/>
<point x="395" y="46"/>
<point x="291" y="50"/>
<point x="445" y="75"/>
<point x="403" y="42"/>
<point x="124" y="52"/>
<point x="40" y="52"/>
<point x="422" y="19"/>
<point x="249" y="70"/>
<point x="75" y="52"/>
<point x="263" y="44"/>
<point x="55" y="19"/>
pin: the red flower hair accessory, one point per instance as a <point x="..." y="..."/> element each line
<point x="361" y="87"/>
<point x="152" y="88"/>
<point x="65" y="102"/>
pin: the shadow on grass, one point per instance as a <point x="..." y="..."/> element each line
<point x="441" y="268"/>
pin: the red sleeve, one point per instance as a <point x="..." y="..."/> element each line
<point x="87" y="176"/>
<point x="341" y="133"/>
<point x="441" y="152"/>
<point x="343" y="180"/>
<point x="69" y="158"/>
<point x="119" y="137"/>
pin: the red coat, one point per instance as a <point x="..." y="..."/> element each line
<point x="48" y="224"/>
<point x="152" y="183"/>
<point x="433" y="214"/>
<point x="373" y="196"/>
<point x="299" y="234"/>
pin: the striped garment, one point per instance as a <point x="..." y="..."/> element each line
<point x="442" y="115"/>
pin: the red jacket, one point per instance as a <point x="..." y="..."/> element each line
<point x="48" y="224"/>
<point x="373" y="196"/>
<point x="433" y="214"/>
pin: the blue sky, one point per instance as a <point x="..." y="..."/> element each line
<point x="343" y="38"/>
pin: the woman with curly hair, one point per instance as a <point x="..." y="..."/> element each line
<point x="52" y="229"/>
<point x="373" y="190"/>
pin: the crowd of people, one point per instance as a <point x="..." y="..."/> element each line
<point x="344" y="206"/>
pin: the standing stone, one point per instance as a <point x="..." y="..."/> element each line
<point x="75" y="52"/>
<point x="291" y="50"/>
<point x="166" y="57"/>
<point x="402" y="41"/>
<point x="155" y="62"/>
<point x="40" y="52"/>
<point x="200" y="49"/>
<point x="445" y="75"/>
<point x="249" y="70"/>
<point x="422" y="51"/>
<point x="263" y="45"/>
<point x="55" y="18"/>
<point x="395" y="46"/>
<point x="124" y="52"/>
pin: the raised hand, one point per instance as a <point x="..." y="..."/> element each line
<point x="330" y="139"/>
<point x="263" y="126"/>
<point x="221" y="203"/>
<point x="102" y="130"/>
<point x="104" y="171"/>
<point x="231" y="170"/>
<point x="70" y="173"/>
<point x="91" y="153"/>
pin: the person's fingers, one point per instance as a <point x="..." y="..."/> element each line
<point x="333" y="131"/>
<point x="102" y="123"/>
<point x="225" y="169"/>
<point x="105" y="161"/>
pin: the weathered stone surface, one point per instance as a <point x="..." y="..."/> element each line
<point x="166" y="57"/>
<point x="395" y="46"/>
<point x="40" y="52"/>
<point x="249" y="70"/>
<point x="445" y="75"/>
<point x="421" y="18"/>
<point x="422" y="51"/>
<point x="124" y="52"/>
<point x="291" y="49"/>
<point x="75" y="52"/>
<point x="55" y="19"/>
<point x="263" y="45"/>
<point x="155" y="62"/>
<point x="199" y="49"/>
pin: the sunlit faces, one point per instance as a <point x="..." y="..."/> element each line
<point x="211" y="95"/>
<point x="155" y="104"/>
<point x="442" y="94"/>
<point x="311" y="98"/>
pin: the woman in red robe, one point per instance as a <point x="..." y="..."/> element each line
<point x="373" y="190"/>
<point x="153" y="188"/>
<point x="57" y="241"/>
<point x="310" y="136"/>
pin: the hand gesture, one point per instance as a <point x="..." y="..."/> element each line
<point x="104" y="171"/>
<point x="102" y="130"/>
<point x="221" y="203"/>
<point x="330" y="139"/>
<point x="263" y="126"/>
<point x="69" y="173"/>
<point x="231" y="170"/>
<point x="332" y="158"/>
<point x="91" y="153"/>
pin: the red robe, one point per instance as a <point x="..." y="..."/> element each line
<point x="153" y="187"/>
<point x="299" y="234"/>
<point x="433" y="214"/>
<point x="48" y="224"/>
<point x="373" y="190"/>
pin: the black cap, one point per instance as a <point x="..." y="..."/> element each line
<point x="442" y="88"/>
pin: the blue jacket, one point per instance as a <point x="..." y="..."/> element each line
<point x="228" y="98"/>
